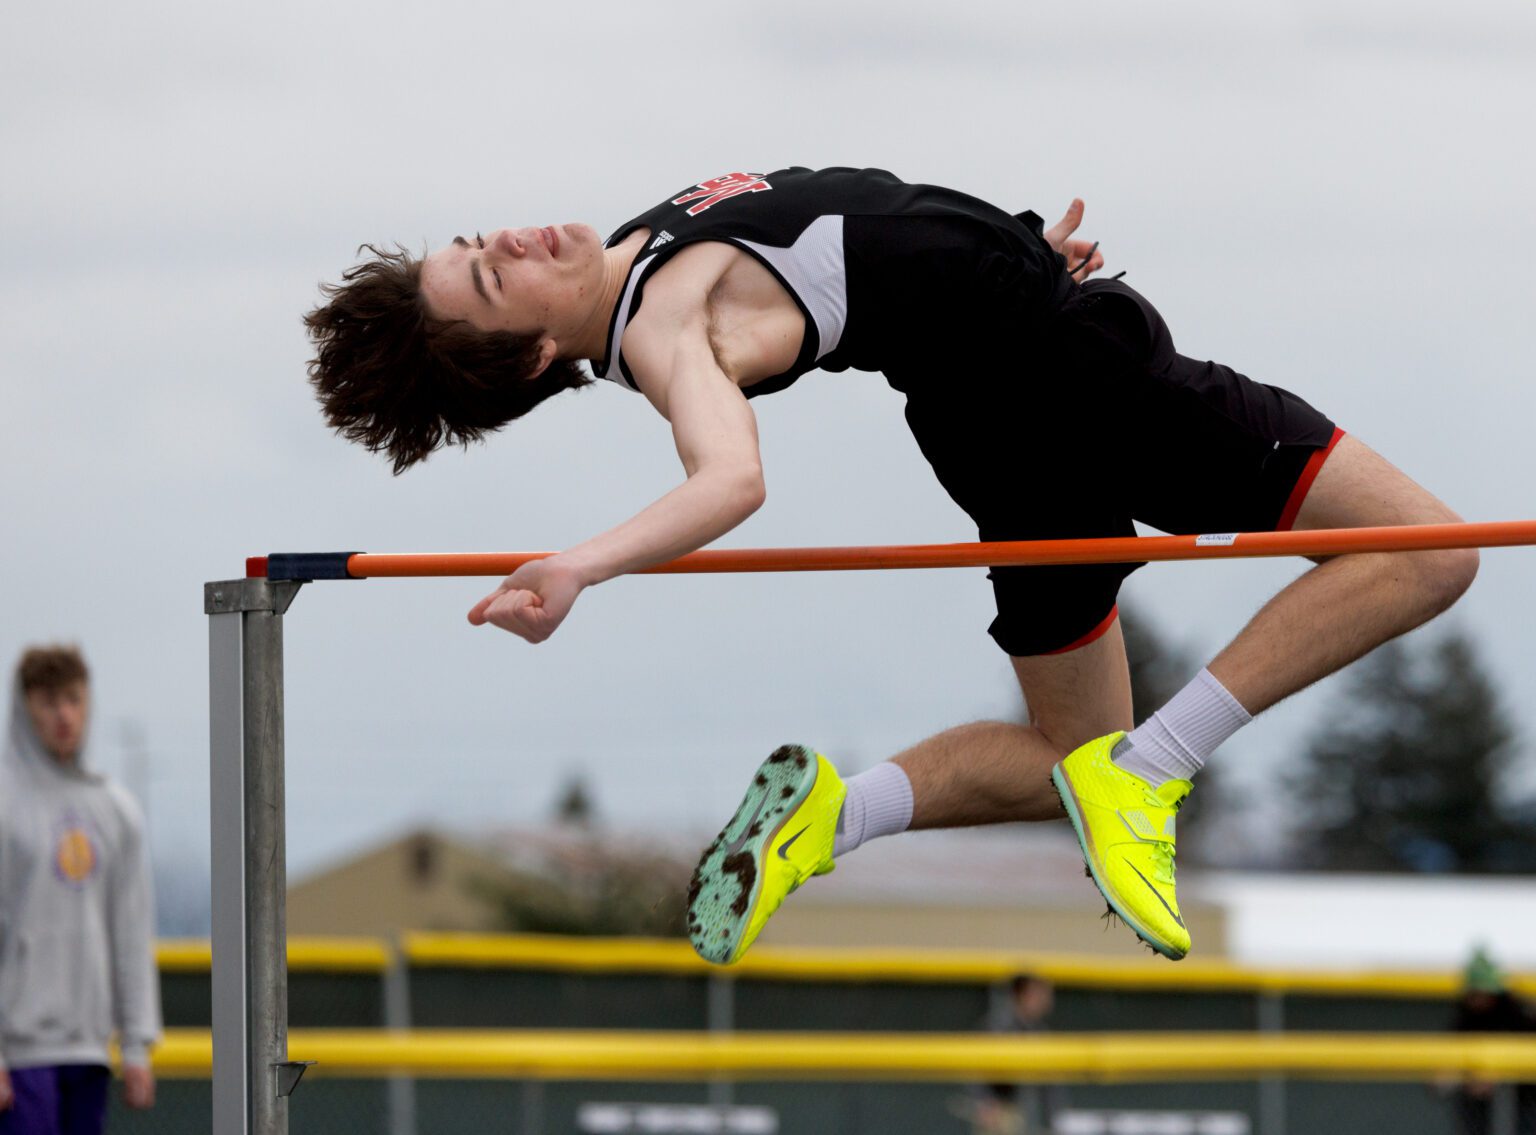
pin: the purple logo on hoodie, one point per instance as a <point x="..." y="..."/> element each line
<point x="74" y="852"/>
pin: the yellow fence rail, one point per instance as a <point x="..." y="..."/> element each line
<point x="765" y="963"/>
<point x="631" y="955"/>
<point x="329" y="955"/>
<point x="1055" y="1058"/>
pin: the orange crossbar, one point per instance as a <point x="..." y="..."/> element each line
<point x="1014" y="553"/>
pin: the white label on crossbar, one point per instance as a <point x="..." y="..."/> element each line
<point x="1216" y="539"/>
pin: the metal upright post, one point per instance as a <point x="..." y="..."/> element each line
<point x="721" y="1012"/>
<point x="1271" y="1022"/>
<point x="252" y="1075"/>
<point x="397" y="1017"/>
<point x="1504" y="1109"/>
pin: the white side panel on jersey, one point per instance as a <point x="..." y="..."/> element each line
<point x="813" y="268"/>
<point x="615" y="371"/>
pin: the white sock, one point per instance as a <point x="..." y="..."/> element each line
<point x="879" y="802"/>
<point x="1175" y="742"/>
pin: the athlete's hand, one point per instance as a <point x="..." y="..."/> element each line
<point x="7" y="1094"/>
<point x="1082" y="255"/>
<point x="532" y="601"/>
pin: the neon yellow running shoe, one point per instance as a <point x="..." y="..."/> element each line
<point x="1125" y="828"/>
<point x="780" y="836"/>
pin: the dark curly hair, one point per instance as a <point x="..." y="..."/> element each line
<point x="51" y="668"/>
<point x="394" y="378"/>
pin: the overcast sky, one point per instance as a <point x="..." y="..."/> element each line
<point x="1331" y="196"/>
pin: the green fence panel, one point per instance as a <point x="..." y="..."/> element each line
<point x="1103" y="1010"/>
<point x="1401" y="1109"/>
<point x="335" y="1000"/>
<point x="185" y="1000"/>
<point x="1367" y="1014"/>
<point x="858" y="1007"/>
<point x="315" y="1000"/>
<point x="532" y="999"/>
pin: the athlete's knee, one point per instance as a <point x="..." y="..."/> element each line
<point x="1444" y="576"/>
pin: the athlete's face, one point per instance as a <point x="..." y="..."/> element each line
<point x="528" y="281"/>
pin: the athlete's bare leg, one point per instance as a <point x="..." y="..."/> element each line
<point x="994" y="772"/>
<point x="997" y="772"/>
<point x="1347" y="605"/>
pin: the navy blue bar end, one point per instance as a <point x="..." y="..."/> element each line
<point x="308" y="565"/>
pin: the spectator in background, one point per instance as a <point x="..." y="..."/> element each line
<point x="76" y="915"/>
<point x="1018" y="1109"/>
<point x="1487" y="1006"/>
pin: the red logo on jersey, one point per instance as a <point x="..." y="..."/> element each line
<point x="717" y="189"/>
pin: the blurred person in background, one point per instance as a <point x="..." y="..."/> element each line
<point x="1488" y="1006"/>
<point x="1017" y="1109"/>
<point x="76" y="915"/>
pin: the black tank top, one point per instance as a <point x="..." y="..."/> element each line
<point x="886" y="274"/>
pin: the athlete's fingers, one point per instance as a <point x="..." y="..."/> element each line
<point x="1083" y="258"/>
<point x="524" y="606"/>
<point x="524" y="611"/>
<point x="537" y="624"/>
<point x="497" y="609"/>
<point x="1066" y="226"/>
<point x="519" y="615"/>
<point x="477" y="613"/>
<point x="1057" y="234"/>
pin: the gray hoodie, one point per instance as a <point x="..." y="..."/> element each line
<point x="76" y="957"/>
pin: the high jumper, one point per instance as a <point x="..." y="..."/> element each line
<point x="1049" y="404"/>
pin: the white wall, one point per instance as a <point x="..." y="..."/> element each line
<point x="1373" y="920"/>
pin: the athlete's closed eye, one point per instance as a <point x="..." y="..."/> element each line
<point x="495" y="272"/>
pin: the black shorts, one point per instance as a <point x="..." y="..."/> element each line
<point x="1097" y="424"/>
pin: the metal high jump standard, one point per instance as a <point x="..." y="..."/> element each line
<point x="252" y="1074"/>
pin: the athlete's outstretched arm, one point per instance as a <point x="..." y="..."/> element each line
<point x="716" y="436"/>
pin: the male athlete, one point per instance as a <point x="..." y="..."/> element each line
<point x="1049" y="406"/>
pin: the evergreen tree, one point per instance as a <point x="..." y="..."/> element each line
<point x="575" y="805"/>
<point x="594" y="883"/>
<point x="1406" y="772"/>
<point x="609" y="891"/>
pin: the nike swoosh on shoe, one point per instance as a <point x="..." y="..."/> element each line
<point x="784" y="847"/>
<point x="746" y="832"/>
<point x="1159" y="895"/>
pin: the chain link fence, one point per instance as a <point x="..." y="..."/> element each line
<point x="336" y="1106"/>
<point x="542" y="996"/>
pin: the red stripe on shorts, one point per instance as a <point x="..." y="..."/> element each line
<point x="1304" y="482"/>
<point x="1091" y="635"/>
